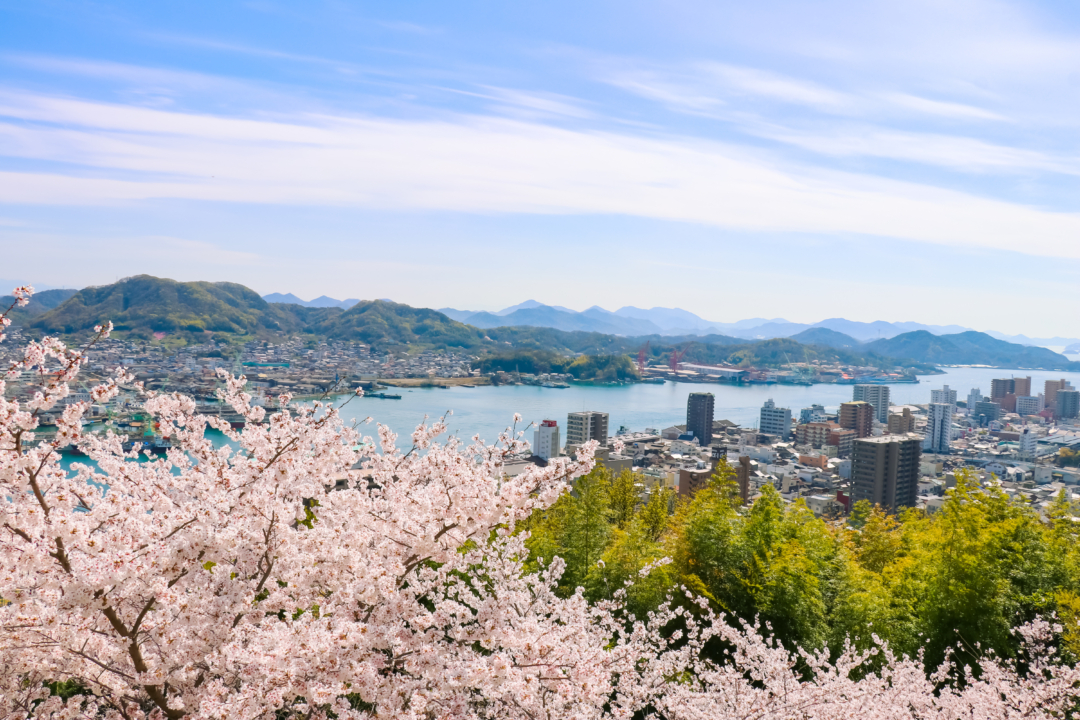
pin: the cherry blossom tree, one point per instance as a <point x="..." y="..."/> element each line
<point x="307" y="570"/>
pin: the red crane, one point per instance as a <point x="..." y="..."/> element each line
<point x="676" y="356"/>
<point x="641" y="358"/>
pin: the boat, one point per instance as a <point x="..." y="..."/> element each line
<point x="383" y="396"/>
<point x="556" y="386"/>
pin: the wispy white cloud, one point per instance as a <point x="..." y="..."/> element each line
<point x="477" y="164"/>
<point x="942" y="108"/>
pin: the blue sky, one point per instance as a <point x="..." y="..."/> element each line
<point x="870" y="160"/>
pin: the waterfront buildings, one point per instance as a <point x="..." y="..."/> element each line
<point x="939" y="428"/>
<point x="699" y="416"/>
<point x="546" y="440"/>
<point x="974" y="397"/>
<point x="1006" y="390"/>
<point x="775" y="420"/>
<point x="857" y="415"/>
<point x="885" y="470"/>
<point x="876" y="395"/>
<point x="581" y="427"/>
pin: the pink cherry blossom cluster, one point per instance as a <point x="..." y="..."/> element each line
<point x="307" y="570"/>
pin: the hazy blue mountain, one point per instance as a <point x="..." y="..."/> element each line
<point x="966" y="348"/>
<point x="825" y="336"/>
<point x="549" y="317"/>
<point x="768" y="330"/>
<point x="628" y="325"/>
<point x="41" y="302"/>
<point x="459" y="315"/>
<point x="288" y="298"/>
<point x="666" y="318"/>
<point x="530" y="304"/>
<point x="320" y="302"/>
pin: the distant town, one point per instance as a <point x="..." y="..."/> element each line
<point x="895" y="456"/>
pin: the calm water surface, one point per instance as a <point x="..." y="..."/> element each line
<point x="488" y="410"/>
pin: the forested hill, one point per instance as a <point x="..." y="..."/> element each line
<point x="968" y="348"/>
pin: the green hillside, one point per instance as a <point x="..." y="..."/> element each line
<point x="380" y="322"/>
<point x="144" y="305"/>
<point x="825" y="336"/>
<point x="967" y="348"/>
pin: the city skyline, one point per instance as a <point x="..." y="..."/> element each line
<point x="420" y="152"/>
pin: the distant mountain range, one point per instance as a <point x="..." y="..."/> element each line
<point x="676" y="321"/>
<point x="147" y="307"/>
<point x="320" y="302"/>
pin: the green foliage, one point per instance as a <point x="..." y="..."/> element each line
<point x="956" y="582"/>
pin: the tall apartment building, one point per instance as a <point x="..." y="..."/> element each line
<point x="901" y="422"/>
<point x="1028" y="444"/>
<point x="876" y="395"/>
<point x="944" y="395"/>
<point x="1030" y="405"/>
<point x="939" y="428"/>
<point x="546" y="440"/>
<point x="857" y="415"/>
<point x="581" y="427"/>
<point x="1050" y="390"/>
<point x="1068" y="403"/>
<point x="885" y="470"/>
<point x="1006" y="390"/>
<point x="1000" y="387"/>
<point x="699" y="416"/>
<point x="974" y="397"/>
<point x="775" y="420"/>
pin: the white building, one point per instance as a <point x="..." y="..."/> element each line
<point x="975" y="396"/>
<point x="1028" y="443"/>
<point x="546" y="440"/>
<point x="944" y="395"/>
<point x="876" y="395"/>
<point x="1030" y="404"/>
<point x="938" y="437"/>
<point x="775" y="420"/>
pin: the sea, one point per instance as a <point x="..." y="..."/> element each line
<point x="488" y="410"/>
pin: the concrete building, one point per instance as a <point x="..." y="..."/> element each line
<point x="581" y="427"/>
<point x="858" y="416"/>
<point x="1028" y="444"/>
<point x="974" y="397"/>
<point x="939" y="428"/>
<point x="944" y="395"/>
<point x="876" y="395"/>
<point x="843" y="440"/>
<point x="1030" y="405"/>
<point x="814" y="434"/>
<point x="814" y="413"/>
<point x="1068" y="403"/>
<point x="885" y="470"/>
<point x="775" y="420"/>
<point x="902" y="422"/>
<point x="743" y="470"/>
<point x="546" y="440"/>
<point x="1000" y="387"/>
<point x="699" y="416"/>
<point x="987" y="411"/>
<point x="1050" y="390"/>
<point x="692" y="480"/>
